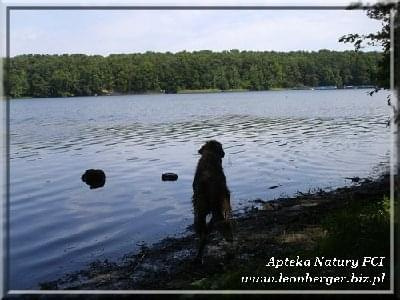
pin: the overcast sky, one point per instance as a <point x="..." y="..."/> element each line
<point x="106" y="31"/>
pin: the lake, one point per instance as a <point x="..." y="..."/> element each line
<point x="295" y="140"/>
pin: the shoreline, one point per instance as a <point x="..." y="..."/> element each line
<point x="201" y="91"/>
<point x="285" y="227"/>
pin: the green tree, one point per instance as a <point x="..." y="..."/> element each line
<point x="83" y="75"/>
<point x="381" y="12"/>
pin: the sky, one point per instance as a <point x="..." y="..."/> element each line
<point x="130" y="31"/>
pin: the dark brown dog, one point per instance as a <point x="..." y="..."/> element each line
<point x="211" y="195"/>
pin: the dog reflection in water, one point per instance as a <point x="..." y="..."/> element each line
<point x="211" y="196"/>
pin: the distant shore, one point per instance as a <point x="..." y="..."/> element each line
<point x="347" y="222"/>
<point x="208" y="91"/>
<point x="77" y="74"/>
<point x="203" y="91"/>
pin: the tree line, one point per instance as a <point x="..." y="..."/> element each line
<point x="83" y="75"/>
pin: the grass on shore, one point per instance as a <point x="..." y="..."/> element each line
<point x="357" y="230"/>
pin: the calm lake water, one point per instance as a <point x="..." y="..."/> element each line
<point x="296" y="140"/>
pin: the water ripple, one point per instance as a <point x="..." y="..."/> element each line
<point x="58" y="223"/>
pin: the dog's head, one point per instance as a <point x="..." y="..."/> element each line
<point x="214" y="147"/>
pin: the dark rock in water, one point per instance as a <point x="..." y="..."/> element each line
<point x="169" y="177"/>
<point x="259" y="201"/>
<point x="353" y="179"/>
<point x="273" y="187"/>
<point x="94" y="178"/>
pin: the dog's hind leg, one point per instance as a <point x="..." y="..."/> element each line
<point x="200" y="226"/>
<point x="221" y="218"/>
<point x="222" y="225"/>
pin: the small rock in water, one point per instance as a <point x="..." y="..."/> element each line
<point x="353" y="179"/>
<point x="169" y="177"/>
<point x="273" y="187"/>
<point x="258" y="200"/>
<point x="94" y="178"/>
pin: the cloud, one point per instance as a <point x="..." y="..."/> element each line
<point x="105" y="32"/>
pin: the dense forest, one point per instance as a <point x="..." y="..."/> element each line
<point x="82" y="75"/>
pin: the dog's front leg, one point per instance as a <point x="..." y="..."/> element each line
<point x="202" y="245"/>
<point x="200" y="225"/>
